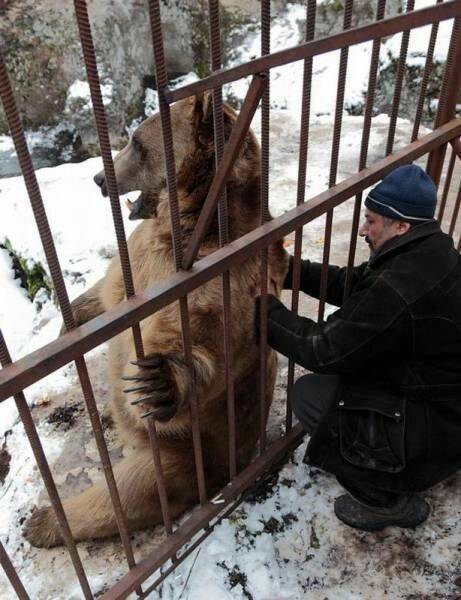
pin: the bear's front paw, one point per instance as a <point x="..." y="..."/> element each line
<point x="41" y="529"/>
<point x="156" y="389"/>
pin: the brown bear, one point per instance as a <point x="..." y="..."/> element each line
<point x="161" y="381"/>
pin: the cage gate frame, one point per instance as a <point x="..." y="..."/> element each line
<point x="16" y="376"/>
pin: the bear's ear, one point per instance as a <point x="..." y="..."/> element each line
<point x="203" y="110"/>
<point x="203" y="116"/>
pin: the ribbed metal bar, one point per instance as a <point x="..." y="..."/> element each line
<point x="454" y="217"/>
<point x="230" y="155"/>
<point x="446" y="187"/>
<point x="223" y="223"/>
<point x="160" y="480"/>
<point x="390" y="26"/>
<point x="33" y="191"/>
<point x="12" y="575"/>
<point x="265" y="152"/>
<point x="61" y="293"/>
<point x="425" y="80"/>
<point x="451" y="84"/>
<point x="301" y="188"/>
<point x="372" y="78"/>
<point x="89" y="56"/>
<point x="335" y="156"/>
<point x="45" y="472"/>
<point x="162" y="84"/>
<point x="112" y="188"/>
<point x="61" y="351"/>
<point x="398" y="83"/>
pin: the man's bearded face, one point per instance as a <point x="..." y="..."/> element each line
<point x="376" y="231"/>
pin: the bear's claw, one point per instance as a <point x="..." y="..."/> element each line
<point x="158" y="392"/>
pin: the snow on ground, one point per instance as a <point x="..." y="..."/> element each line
<point x="285" y="541"/>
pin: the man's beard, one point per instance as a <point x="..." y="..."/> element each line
<point x="370" y="245"/>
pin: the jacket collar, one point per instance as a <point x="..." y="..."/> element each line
<point x="414" y="233"/>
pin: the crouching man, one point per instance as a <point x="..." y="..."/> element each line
<point x="383" y="404"/>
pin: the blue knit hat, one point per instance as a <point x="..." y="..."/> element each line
<point x="407" y="193"/>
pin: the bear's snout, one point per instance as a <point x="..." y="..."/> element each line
<point x="100" y="181"/>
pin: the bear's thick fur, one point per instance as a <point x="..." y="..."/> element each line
<point x="163" y="383"/>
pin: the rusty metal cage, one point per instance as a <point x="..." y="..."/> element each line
<point x="15" y="376"/>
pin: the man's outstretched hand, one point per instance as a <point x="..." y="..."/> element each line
<point x="272" y="302"/>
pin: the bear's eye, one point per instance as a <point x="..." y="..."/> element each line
<point x="137" y="145"/>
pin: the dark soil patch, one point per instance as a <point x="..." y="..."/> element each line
<point x="263" y="490"/>
<point x="236" y="577"/>
<point x="264" y="487"/>
<point x="107" y="422"/>
<point x="65" y="416"/>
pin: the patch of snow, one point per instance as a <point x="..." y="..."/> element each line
<point x="6" y="143"/>
<point x="80" y="90"/>
<point x="419" y="41"/>
<point x="151" y="99"/>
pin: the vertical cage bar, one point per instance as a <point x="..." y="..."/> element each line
<point x="446" y="187"/>
<point x="223" y="223"/>
<point x="372" y="78"/>
<point x="398" y="83"/>
<point x="61" y="292"/>
<point x="335" y="156"/>
<point x="454" y="217"/>
<point x="162" y="85"/>
<point x="12" y="575"/>
<point x="25" y="162"/>
<point x="425" y="80"/>
<point x="89" y="56"/>
<point x="45" y="472"/>
<point x="301" y="188"/>
<point x="447" y="102"/>
<point x="265" y="151"/>
<point x="160" y="479"/>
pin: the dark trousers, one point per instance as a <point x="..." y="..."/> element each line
<point x="311" y="397"/>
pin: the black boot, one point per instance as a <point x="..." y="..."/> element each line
<point x="409" y="511"/>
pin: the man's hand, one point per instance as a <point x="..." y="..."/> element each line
<point x="272" y="301"/>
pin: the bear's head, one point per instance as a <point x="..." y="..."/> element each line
<point x="140" y="165"/>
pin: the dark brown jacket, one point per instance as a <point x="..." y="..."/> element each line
<point x="396" y="345"/>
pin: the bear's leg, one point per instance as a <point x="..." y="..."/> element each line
<point x="90" y="514"/>
<point x="87" y="306"/>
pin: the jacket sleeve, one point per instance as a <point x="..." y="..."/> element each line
<point x="371" y="323"/>
<point x="310" y="280"/>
